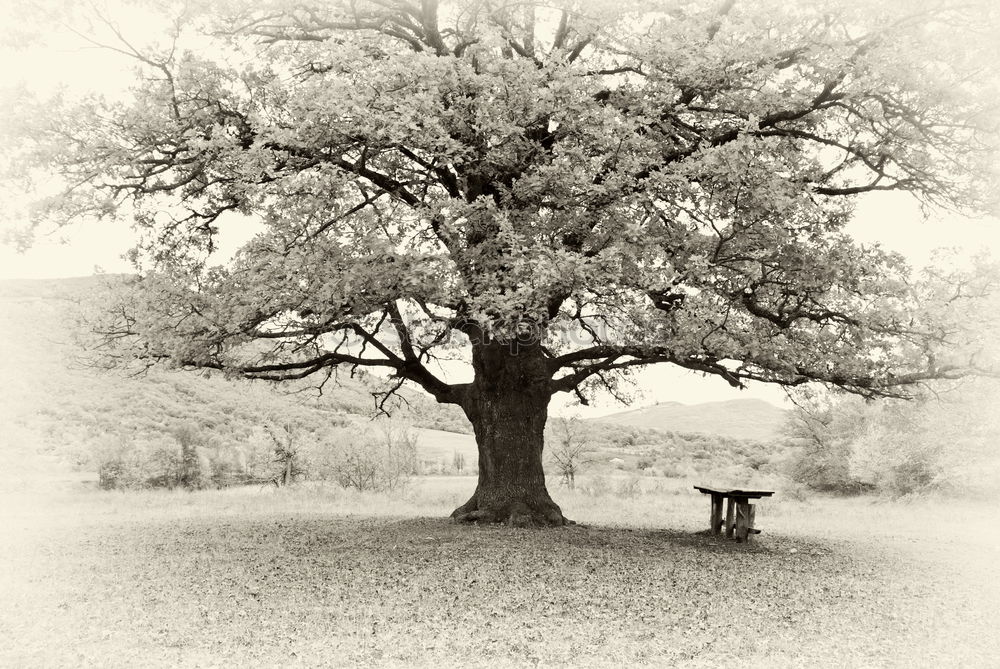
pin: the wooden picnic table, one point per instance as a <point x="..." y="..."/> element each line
<point x="739" y="501"/>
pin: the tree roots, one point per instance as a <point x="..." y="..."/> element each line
<point x="542" y="513"/>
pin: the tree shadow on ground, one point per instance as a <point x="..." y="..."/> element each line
<point x="607" y="538"/>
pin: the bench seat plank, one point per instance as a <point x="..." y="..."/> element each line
<point x="750" y="494"/>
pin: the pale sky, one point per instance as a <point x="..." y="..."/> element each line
<point x="890" y="219"/>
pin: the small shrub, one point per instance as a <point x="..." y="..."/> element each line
<point x="629" y="488"/>
<point x="596" y="486"/>
<point x="626" y="439"/>
<point x="895" y="465"/>
<point x="912" y="476"/>
<point x="382" y="458"/>
<point x="825" y="469"/>
<point x="796" y="492"/>
<point x="112" y="474"/>
<point x="672" y="470"/>
<point x="160" y="463"/>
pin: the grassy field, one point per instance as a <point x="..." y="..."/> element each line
<point x="314" y="576"/>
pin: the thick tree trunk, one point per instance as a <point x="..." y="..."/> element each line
<point x="507" y="405"/>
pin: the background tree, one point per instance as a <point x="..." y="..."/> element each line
<point x="565" y="191"/>
<point x="567" y="448"/>
<point x="286" y="453"/>
<point x="824" y="429"/>
<point x="941" y="441"/>
<point x="191" y="472"/>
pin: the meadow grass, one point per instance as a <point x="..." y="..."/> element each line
<point x="318" y="576"/>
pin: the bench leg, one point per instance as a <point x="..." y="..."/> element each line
<point x="730" y="504"/>
<point x="716" y="519"/>
<point x="743" y="522"/>
<point x="746" y="513"/>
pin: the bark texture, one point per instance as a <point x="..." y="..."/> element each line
<point x="507" y="405"/>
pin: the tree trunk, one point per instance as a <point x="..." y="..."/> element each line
<point x="507" y="404"/>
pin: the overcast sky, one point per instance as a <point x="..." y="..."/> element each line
<point x="893" y="220"/>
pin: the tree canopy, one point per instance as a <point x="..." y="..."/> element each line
<point x="587" y="186"/>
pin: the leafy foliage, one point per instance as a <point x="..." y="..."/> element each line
<point x="636" y="184"/>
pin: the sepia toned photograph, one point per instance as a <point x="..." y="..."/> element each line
<point x="495" y="333"/>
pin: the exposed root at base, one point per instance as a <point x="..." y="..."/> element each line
<point x="517" y="514"/>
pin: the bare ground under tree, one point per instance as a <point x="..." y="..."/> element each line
<point x="282" y="577"/>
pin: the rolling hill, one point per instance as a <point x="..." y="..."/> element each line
<point x="53" y="402"/>
<point x="741" y="419"/>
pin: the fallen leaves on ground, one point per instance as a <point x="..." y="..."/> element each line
<point x="290" y="588"/>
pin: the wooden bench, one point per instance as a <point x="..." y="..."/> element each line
<point x="739" y="501"/>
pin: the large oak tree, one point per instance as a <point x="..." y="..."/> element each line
<point x="563" y="190"/>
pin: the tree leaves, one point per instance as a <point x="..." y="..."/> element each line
<point x="671" y="181"/>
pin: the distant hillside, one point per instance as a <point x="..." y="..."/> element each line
<point x="740" y="419"/>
